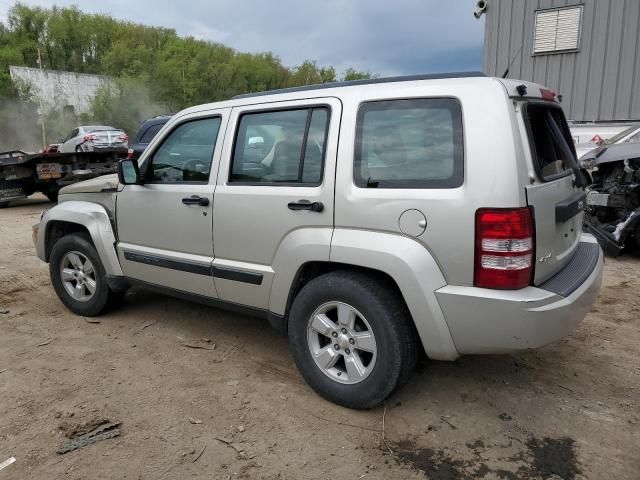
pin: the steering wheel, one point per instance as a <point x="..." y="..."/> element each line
<point x="190" y="170"/>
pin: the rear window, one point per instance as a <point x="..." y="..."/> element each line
<point x="547" y="153"/>
<point x="413" y="143"/>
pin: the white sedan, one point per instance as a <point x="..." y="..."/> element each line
<point x="95" y="138"/>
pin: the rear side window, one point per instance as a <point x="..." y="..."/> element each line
<point x="280" y="147"/>
<point x="413" y="143"/>
<point x="546" y="149"/>
<point x="150" y="133"/>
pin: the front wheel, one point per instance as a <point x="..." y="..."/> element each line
<point x="352" y="338"/>
<point x="79" y="278"/>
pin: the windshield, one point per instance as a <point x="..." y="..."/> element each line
<point x="622" y="134"/>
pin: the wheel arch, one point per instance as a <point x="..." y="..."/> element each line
<point x="79" y="216"/>
<point x="404" y="262"/>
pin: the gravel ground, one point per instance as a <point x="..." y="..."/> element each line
<point x="237" y="408"/>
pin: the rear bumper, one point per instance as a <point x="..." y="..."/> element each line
<point x="502" y="321"/>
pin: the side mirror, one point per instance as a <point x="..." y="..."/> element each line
<point x="128" y="172"/>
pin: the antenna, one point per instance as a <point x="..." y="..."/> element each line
<point x="506" y="72"/>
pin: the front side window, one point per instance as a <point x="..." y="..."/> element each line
<point x="280" y="147"/>
<point x="186" y="154"/>
<point x="414" y="143"/>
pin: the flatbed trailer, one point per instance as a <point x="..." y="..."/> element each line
<point x="22" y="174"/>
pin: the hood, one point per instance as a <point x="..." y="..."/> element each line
<point x="612" y="153"/>
<point x="95" y="185"/>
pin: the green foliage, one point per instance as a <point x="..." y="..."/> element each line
<point x="155" y="70"/>
<point x="124" y="104"/>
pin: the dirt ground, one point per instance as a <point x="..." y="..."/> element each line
<point x="241" y="410"/>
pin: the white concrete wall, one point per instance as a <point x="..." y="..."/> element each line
<point x="58" y="89"/>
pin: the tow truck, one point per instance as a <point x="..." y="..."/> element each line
<point x="23" y="174"/>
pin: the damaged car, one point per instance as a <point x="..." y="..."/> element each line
<point x="613" y="198"/>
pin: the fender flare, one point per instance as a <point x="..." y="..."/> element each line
<point x="402" y="258"/>
<point x="95" y="219"/>
<point x="414" y="270"/>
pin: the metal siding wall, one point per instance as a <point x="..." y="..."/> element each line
<point x="612" y="66"/>
<point x="599" y="82"/>
<point x="635" y="94"/>
<point x="624" y="89"/>
<point x="504" y="34"/>
<point x="583" y="63"/>
<point x="516" y="39"/>
<point x="596" y="60"/>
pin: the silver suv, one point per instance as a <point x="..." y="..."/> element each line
<point x="368" y="221"/>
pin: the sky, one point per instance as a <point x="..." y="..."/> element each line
<point x="385" y="37"/>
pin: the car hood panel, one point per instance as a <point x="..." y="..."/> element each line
<point x="94" y="185"/>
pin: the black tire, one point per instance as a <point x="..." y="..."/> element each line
<point x="103" y="299"/>
<point x="396" y="338"/>
<point x="4" y="204"/>
<point x="52" y="196"/>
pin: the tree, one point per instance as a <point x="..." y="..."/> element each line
<point x="154" y="70"/>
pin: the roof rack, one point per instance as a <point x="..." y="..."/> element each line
<point x="370" y="81"/>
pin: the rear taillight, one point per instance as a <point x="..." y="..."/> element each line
<point x="123" y="138"/>
<point x="89" y="138"/>
<point x="130" y="154"/>
<point x="504" y="248"/>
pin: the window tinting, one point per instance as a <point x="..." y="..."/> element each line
<point x="284" y="146"/>
<point x="150" y="133"/>
<point x="186" y="154"/>
<point x="413" y="143"/>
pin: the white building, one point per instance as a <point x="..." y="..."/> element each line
<point x="61" y="89"/>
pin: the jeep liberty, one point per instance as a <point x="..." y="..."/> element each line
<point x="368" y="220"/>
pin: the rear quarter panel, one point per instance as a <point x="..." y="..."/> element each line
<point x="494" y="174"/>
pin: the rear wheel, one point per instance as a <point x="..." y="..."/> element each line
<point x="352" y="338"/>
<point x="78" y="276"/>
<point x="4" y="204"/>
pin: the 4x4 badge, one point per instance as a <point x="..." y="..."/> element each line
<point x="545" y="258"/>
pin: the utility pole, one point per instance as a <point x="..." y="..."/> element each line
<point x="40" y="106"/>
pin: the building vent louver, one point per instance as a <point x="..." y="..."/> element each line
<point x="557" y="30"/>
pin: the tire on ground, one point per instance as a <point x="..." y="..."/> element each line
<point x="104" y="298"/>
<point x="385" y="311"/>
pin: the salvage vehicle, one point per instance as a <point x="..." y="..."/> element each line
<point x="628" y="135"/>
<point x="95" y="138"/>
<point x="367" y="220"/>
<point x="22" y="174"/>
<point x="613" y="198"/>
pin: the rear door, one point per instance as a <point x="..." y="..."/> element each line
<point x="275" y="188"/>
<point x="556" y="198"/>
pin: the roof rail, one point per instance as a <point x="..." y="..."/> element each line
<point x="369" y="81"/>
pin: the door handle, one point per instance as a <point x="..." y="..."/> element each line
<point x="306" y="205"/>
<point x="196" y="200"/>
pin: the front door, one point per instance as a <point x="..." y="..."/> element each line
<point x="165" y="225"/>
<point x="275" y="193"/>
